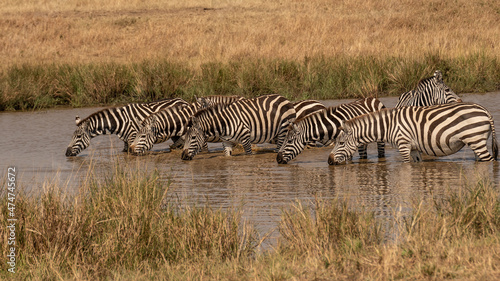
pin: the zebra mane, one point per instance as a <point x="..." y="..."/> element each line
<point x="424" y="80"/>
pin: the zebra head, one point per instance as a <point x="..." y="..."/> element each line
<point x="81" y="138"/>
<point x="443" y="94"/>
<point x="293" y="144"/>
<point x="194" y="139"/>
<point x="146" y="136"/>
<point x="345" y="146"/>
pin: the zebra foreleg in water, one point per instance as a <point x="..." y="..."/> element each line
<point x="435" y="130"/>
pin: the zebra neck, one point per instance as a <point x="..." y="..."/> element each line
<point x="111" y="121"/>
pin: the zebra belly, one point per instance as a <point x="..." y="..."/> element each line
<point x="441" y="149"/>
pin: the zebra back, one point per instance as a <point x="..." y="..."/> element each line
<point x="429" y="91"/>
<point x="210" y="101"/>
<point x="307" y="107"/>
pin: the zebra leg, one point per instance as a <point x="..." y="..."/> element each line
<point x="247" y="146"/>
<point x="178" y="142"/>
<point x="381" y="149"/>
<point x="125" y="146"/>
<point x="480" y="150"/>
<point x="405" y="150"/>
<point x="204" y="148"/>
<point x="362" y="151"/>
<point x="228" y="148"/>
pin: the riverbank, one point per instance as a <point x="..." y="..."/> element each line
<point x="122" y="226"/>
<point x="28" y="87"/>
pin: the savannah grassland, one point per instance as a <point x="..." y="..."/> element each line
<point x="120" y="226"/>
<point x="82" y="53"/>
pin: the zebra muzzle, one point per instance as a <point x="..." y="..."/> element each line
<point x="331" y="160"/>
<point x="280" y="159"/>
<point x="69" y="152"/>
<point x="185" y="155"/>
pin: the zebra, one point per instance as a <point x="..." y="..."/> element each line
<point x="248" y="121"/>
<point x="323" y="128"/>
<point x="437" y="130"/>
<point x="170" y="123"/>
<point x="429" y="91"/>
<point x="210" y="101"/>
<point x="122" y="121"/>
<point x="304" y="108"/>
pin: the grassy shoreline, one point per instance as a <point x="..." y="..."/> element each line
<point x="121" y="227"/>
<point x="31" y="87"/>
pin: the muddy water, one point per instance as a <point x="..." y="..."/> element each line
<point x="35" y="143"/>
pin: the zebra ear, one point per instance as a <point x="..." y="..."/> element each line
<point x="77" y="120"/>
<point x="438" y="75"/>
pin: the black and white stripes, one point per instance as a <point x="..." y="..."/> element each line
<point x="122" y="121"/>
<point x="429" y="91"/>
<point x="322" y="127"/>
<point x="435" y="130"/>
<point x="247" y="122"/>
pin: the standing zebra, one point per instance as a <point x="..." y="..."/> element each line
<point x="246" y="121"/>
<point x="122" y="121"/>
<point x="429" y="91"/>
<point x="437" y="130"/>
<point x="323" y="127"/>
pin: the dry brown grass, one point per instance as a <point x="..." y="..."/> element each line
<point x="195" y="32"/>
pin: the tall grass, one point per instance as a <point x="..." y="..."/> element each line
<point x="97" y="52"/>
<point x="120" y="223"/>
<point x="26" y="86"/>
<point x="122" y="227"/>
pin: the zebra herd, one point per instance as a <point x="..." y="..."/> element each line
<point x="431" y="119"/>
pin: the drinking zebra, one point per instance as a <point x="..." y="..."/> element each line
<point x="170" y="123"/>
<point x="435" y="130"/>
<point x="429" y="91"/>
<point x="122" y="121"/>
<point x="323" y="127"/>
<point x="248" y="121"/>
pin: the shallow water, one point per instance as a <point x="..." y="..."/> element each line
<point x="35" y="143"/>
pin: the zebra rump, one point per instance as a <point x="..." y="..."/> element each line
<point x="247" y="121"/>
<point x="437" y="130"/>
<point x="429" y="91"/>
<point x="323" y="126"/>
<point x="122" y="121"/>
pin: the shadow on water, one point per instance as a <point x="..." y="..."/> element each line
<point x="35" y="144"/>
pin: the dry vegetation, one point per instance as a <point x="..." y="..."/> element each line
<point x="195" y="32"/>
<point x="83" y="53"/>
<point x="121" y="226"/>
